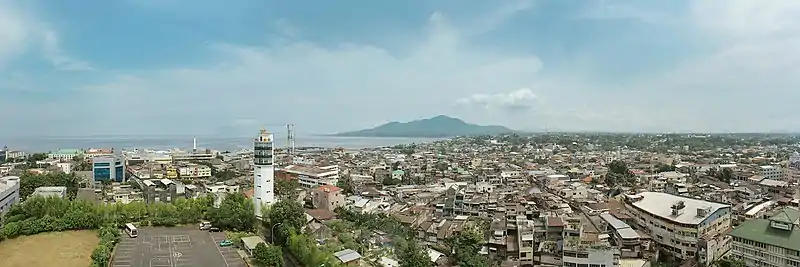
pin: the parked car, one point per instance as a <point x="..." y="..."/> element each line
<point x="226" y="243"/>
<point x="214" y="229"/>
<point x="205" y="225"/>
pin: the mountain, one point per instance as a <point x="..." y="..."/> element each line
<point x="436" y="127"/>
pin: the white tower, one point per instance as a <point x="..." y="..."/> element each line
<point x="263" y="171"/>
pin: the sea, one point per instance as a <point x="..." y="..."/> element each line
<point x="45" y="144"/>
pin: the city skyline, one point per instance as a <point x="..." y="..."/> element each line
<point x="206" y="68"/>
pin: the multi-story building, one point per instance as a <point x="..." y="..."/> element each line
<point x="774" y="241"/>
<point x="9" y="193"/>
<point x="98" y="152"/>
<point x="108" y="169"/>
<point x="771" y="172"/>
<point x="194" y="171"/>
<point x="580" y="252"/>
<point x="328" y="197"/>
<point x="686" y="227"/>
<point x="263" y="171"/>
<point x="625" y="238"/>
<point x="7" y="154"/>
<point x="313" y="176"/>
<point x="792" y="172"/>
<point x="65" y="154"/>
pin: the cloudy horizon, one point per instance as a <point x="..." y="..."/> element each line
<point x="206" y="67"/>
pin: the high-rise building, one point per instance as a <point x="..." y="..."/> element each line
<point x="263" y="171"/>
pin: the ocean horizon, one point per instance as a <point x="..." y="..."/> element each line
<point x="52" y="143"/>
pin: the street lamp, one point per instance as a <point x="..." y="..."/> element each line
<point x="272" y="233"/>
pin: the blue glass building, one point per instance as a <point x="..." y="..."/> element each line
<point x="108" y="169"/>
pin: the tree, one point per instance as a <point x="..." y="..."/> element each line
<point x="346" y="184"/>
<point x="664" y="168"/>
<point x="726" y="175"/>
<point x="29" y="183"/>
<point x="289" y="214"/>
<point x="235" y="212"/>
<point x="410" y="254"/>
<point x="287" y="188"/>
<point x="728" y="263"/>
<point x="465" y="246"/>
<point x="268" y="256"/>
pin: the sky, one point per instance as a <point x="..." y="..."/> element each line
<point x="160" y="67"/>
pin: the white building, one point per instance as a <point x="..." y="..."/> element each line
<point x="9" y="192"/>
<point x="263" y="171"/>
<point x="687" y="227"/>
<point x="193" y="171"/>
<point x="66" y="167"/>
<point x="65" y="154"/>
<point x="51" y="191"/>
<point x="770" y="172"/>
<point x="598" y="254"/>
<point x="313" y="176"/>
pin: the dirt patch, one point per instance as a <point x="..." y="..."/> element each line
<point x="66" y="249"/>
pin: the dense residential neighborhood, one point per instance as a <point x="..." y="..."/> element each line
<point x="508" y="200"/>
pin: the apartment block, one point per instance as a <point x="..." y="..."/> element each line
<point x="9" y="192"/>
<point x="313" y="176"/>
<point x="772" y="242"/>
<point x="686" y="227"/>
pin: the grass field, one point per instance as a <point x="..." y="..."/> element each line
<point x="66" y="249"/>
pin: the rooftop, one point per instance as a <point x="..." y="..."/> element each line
<point x="659" y="204"/>
<point x="347" y="255"/>
<point x="307" y="170"/>
<point x="762" y="230"/>
<point x="67" y="151"/>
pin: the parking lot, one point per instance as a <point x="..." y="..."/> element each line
<point x="174" y="247"/>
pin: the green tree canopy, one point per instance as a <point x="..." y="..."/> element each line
<point x="289" y="214"/>
<point x="235" y="213"/>
<point x="268" y="256"/>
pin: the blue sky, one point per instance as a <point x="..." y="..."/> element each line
<point x="231" y="67"/>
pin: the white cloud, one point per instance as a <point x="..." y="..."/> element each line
<point x="53" y="53"/>
<point x="14" y="33"/>
<point x="519" y="100"/>
<point x="280" y="82"/>
<point x="355" y="85"/>
<point x="19" y="31"/>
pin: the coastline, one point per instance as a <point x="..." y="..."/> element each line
<point x="45" y="144"/>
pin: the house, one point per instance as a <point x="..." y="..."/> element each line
<point x="315" y="223"/>
<point x="348" y="257"/>
<point x="328" y="197"/>
<point x="250" y="243"/>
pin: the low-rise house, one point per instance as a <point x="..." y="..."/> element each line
<point x="348" y="257"/>
<point x="51" y="191"/>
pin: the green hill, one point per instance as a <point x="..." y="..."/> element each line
<point x="436" y="127"/>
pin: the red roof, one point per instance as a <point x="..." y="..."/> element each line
<point x="329" y="188"/>
<point x="249" y="193"/>
<point x="555" y="222"/>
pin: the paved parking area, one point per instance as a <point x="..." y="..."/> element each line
<point x="174" y="247"/>
<point x="229" y="254"/>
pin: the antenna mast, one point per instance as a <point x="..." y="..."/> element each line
<point x="290" y="139"/>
